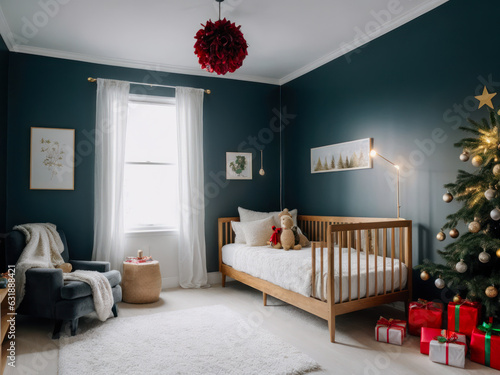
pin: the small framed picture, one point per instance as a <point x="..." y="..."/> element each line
<point x="52" y="162"/>
<point x="238" y="165"/>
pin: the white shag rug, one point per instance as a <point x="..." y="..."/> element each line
<point x="208" y="340"/>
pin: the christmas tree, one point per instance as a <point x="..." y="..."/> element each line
<point x="472" y="267"/>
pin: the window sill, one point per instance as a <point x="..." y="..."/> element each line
<point x="149" y="233"/>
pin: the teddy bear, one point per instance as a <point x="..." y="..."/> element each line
<point x="275" y="240"/>
<point x="287" y="234"/>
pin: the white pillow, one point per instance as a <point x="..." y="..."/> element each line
<point x="258" y="232"/>
<point x="239" y="233"/>
<point x="249" y="215"/>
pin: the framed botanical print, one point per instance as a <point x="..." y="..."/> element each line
<point x="238" y="165"/>
<point x="52" y="161"/>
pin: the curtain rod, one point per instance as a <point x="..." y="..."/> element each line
<point x="90" y="79"/>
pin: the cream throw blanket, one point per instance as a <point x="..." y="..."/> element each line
<point x="101" y="290"/>
<point x="43" y="250"/>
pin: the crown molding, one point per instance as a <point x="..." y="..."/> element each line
<point x="7" y="35"/>
<point x="381" y="30"/>
<point x="136" y="64"/>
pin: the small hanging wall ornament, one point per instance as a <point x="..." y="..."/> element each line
<point x="220" y="46"/>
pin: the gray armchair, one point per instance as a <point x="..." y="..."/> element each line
<point x="47" y="296"/>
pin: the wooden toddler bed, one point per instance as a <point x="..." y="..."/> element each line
<point x="379" y="244"/>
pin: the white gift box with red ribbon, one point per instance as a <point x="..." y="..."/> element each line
<point x="448" y="353"/>
<point x="392" y="331"/>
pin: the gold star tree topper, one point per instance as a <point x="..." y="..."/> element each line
<point x="485" y="98"/>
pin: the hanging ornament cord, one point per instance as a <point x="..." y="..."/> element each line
<point x="219" y="1"/>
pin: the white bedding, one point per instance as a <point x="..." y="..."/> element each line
<point x="292" y="269"/>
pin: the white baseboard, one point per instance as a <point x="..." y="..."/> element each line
<point x="173" y="282"/>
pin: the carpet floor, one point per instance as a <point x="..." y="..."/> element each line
<point x="180" y="342"/>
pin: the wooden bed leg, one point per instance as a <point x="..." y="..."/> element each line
<point x="223" y="280"/>
<point x="264" y="298"/>
<point x="331" y="327"/>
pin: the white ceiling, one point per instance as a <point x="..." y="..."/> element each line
<point x="286" y="38"/>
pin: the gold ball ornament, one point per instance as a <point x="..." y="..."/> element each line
<point x="498" y="253"/>
<point x="474" y="227"/>
<point x="454" y="233"/>
<point x="477" y="161"/>
<point x="457" y="298"/>
<point x="491" y="292"/>
<point x="496" y="170"/>
<point x="464" y="156"/>
<point x="441" y="236"/>
<point x="425" y="276"/>
<point x="447" y="197"/>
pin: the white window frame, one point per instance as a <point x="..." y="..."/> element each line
<point x="154" y="229"/>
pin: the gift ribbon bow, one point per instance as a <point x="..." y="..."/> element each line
<point x="428" y="305"/>
<point x="457" y="311"/>
<point x="391" y="323"/>
<point x="489" y="329"/>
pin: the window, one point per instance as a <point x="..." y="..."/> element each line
<point x="150" y="181"/>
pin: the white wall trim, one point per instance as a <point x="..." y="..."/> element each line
<point x="214" y="278"/>
<point x="136" y="64"/>
<point x="381" y="30"/>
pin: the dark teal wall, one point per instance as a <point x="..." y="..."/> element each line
<point x="400" y="89"/>
<point x="55" y="93"/>
<point x="4" y="70"/>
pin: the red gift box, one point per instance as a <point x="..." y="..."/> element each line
<point x="485" y="345"/>
<point x="424" y="314"/>
<point x="464" y="317"/>
<point x="429" y="334"/>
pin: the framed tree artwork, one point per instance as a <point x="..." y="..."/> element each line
<point x="238" y="165"/>
<point x="52" y="164"/>
<point x="342" y="156"/>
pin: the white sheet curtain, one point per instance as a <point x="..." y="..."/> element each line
<point x="192" y="257"/>
<point x="111" y="130"/>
